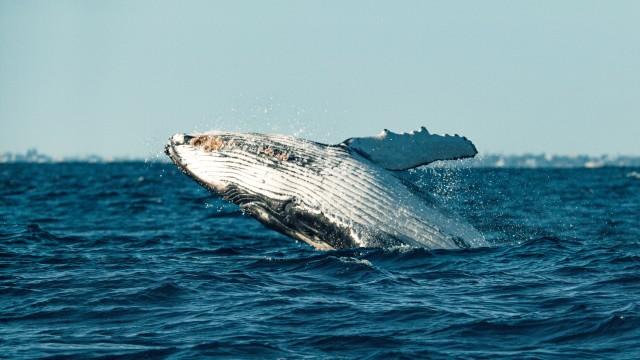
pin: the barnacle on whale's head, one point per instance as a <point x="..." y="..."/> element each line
<point x="211" y="143"/>
<point x="208" y="142"/>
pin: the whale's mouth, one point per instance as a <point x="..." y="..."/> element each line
<point x="174" y="141"/>
<point x="179" y="150"/>
<point x="170" y="149"/>
<point x="177" y="140"/>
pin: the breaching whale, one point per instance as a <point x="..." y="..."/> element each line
<point x="330" y="196"/>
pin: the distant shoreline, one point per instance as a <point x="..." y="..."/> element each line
<point x="526" y="161"/>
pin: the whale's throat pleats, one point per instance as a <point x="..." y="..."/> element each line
<point x="283" y="215"/>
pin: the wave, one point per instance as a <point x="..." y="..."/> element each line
<point x="634" y="175"/>
<point x="84" y="275"/>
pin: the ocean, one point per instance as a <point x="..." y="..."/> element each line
<point x="135" y="260"/>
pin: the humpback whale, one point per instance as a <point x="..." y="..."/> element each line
<point x="330" y="196"/>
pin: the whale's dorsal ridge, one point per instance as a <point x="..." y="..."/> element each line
<point x="404" y="151"/>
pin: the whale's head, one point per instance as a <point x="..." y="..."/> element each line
<point x="247" y="161"/>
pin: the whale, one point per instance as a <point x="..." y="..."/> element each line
<point x="347" y="195"/>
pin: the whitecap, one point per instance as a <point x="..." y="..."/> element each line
<point x="634" y="174"/>
<point x="350" y="260"/>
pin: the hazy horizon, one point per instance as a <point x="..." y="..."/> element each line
<point x="117" y="78"/>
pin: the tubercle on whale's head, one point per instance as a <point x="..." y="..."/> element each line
<point x="223" y="141"/>
<point x="210" y="143"/>
<point x="203" y="142"/>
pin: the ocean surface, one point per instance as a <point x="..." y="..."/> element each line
<point x="135" y="260"/>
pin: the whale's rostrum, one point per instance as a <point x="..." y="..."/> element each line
<point x="330" y="196"/>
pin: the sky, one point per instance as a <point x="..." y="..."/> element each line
<point x="117" y="78"/>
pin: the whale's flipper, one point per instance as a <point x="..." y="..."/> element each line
<point x="405" y="151"/>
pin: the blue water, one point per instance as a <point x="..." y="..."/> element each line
<point x="137" y="261"/>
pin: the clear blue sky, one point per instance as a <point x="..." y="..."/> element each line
<point x="119" y="77"/>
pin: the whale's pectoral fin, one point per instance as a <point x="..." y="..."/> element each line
<point x="405" y="151"/>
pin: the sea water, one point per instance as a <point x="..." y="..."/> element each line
<point x="135" y="260"/>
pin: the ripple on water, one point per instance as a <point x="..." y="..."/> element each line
<point x="136" y="261"/>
